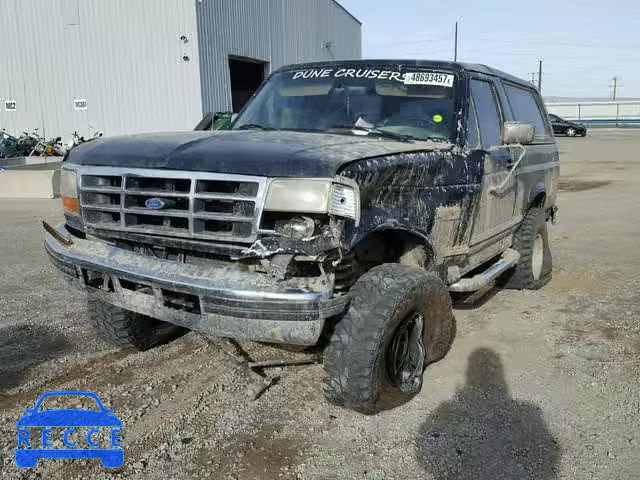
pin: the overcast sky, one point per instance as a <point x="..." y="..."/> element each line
<point x="583" y="43"/>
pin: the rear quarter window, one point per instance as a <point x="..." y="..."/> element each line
<point x="525" y="108"/>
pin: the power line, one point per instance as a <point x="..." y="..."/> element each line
<point x="557" y="55"/>
<point x="561" y="58"/>
<point x="439" y="38"/>
<point x="442" y="38"/>
<point x="554" y="43"/>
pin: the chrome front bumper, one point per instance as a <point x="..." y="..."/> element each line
<point x="222" y="302"/>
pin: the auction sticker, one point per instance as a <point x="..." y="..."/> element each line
<point x="428" y="78"/>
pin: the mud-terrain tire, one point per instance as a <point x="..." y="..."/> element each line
<point x="533" y="270"/>
<point x="383" y="301"/>
<point x="129" y="330"/>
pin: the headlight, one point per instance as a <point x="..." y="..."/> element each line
<point x="313" y="196"/>
<point x="301" y="228"/>
<point x="298" y="195"/>
<point x="69" y="191"/>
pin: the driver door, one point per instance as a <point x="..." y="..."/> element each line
<point x="496" y="208"/>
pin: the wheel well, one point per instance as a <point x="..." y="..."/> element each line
<point x="538" y="200"/>
<point x="384" y="246"/>
<point x="394" y="246"/>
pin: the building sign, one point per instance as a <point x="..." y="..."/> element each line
<point x="10" y="105"/>
<point x="80" y="104"/>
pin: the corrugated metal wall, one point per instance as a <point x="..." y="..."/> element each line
<point x="278" y="32"/>
<point x="125" y="57"/>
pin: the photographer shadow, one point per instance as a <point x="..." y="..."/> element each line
<point x="485" y="434"/>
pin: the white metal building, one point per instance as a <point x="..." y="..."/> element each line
<point x="617" y="113"/>
<point x="128" y="66"/>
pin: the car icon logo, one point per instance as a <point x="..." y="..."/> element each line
<point x="155" y="203"/>
<point x="98" y="430"/>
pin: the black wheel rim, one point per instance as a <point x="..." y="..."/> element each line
<point x="405" y="354"/>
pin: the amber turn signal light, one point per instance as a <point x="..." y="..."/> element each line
<point x="71" y="205"/>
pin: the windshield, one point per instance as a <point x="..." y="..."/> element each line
<point x="414" y="104"/>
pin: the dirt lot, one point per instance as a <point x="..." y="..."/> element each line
<point x="537" y="385"/>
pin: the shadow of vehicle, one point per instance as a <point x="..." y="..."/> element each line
<point x="485" y="434"/>
<point x="23" y="347"/>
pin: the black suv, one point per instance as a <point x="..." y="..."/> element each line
<point x="345" y="204"/>
<point x="565" y="127"/>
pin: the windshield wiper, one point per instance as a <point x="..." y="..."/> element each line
<point x="375" y="131"/>
<point x="249" y="126"/>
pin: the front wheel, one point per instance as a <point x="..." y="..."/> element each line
<point x="129" y="330"/>
<point x="400" y="320"/>
<point x="570" y="132"/>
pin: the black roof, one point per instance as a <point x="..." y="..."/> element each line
<point x="455" y="66"/>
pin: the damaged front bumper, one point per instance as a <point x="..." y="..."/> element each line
<point x="220" y="301"/>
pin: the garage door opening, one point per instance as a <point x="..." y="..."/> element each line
<point x="246" y="77"/>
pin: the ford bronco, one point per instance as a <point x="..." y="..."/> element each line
<point x="346" y="202"/>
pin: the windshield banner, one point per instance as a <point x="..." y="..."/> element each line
<point x="408" y="78"/>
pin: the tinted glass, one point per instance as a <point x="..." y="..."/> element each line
<point x="473" y="137"/>
<point x="525" y="108"/>
<point x="335" y="99"/>
<point x="484" y="99"/>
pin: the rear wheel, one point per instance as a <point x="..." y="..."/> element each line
<point x="129" y="330"/>
<point x="399" y="320"/>
<point x="533" y="270"/>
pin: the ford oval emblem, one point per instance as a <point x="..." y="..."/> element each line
<point x="155" y="204"/>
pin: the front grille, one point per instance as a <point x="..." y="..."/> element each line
<point x="192" y="204"/>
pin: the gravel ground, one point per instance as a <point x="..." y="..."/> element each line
<point x="537" y="385"/>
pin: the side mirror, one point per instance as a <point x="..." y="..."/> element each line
<point x="517" y="132"/>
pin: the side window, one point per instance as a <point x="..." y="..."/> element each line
<point x="489" y="121"/>
<point x="473" y="136"/>
<point x="525" y="108"/>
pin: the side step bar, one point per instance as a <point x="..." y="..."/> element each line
<point x="507" y="261"/>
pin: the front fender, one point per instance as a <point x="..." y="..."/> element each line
<point x="405" y="233"/>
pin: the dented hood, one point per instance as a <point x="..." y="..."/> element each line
<point x="243" y="152"/>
